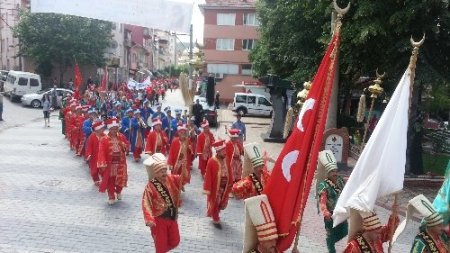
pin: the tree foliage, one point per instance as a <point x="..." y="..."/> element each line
<point x="60" y="40"/>
<point x="375" y="34"/>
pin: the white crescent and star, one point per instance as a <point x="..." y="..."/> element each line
<point x="287" y="163"/>
<point x="308" y="105"/>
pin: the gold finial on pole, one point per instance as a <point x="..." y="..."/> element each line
<point x="375" y="91"/>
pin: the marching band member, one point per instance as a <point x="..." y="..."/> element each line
<point x="138" y="127"/>
<point x="157" y="140"/>
<point x="329" y="188"/>
<point x="180" y="155"/>
<point x="160" y="203"/>
<point x="112" y="161"/>
<point x="92" y="146"/>
<point x="204" y="146"/>
<point x="432" y="237"/>
<point x="254" y="175"/>
<point x="372" y="236"/>
<point x="218" y="183"/>
<point x="234" y="150"/>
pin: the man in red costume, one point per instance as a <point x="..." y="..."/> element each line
<point x="204" y="147"/>
<point x="76" y="127"/>
<point x="81" y="136"/>
<point x="180" y="155"/>
<point x="112" y="161"/>
<point x="92" y="149"/>
<point x="373" y="234"/>
<point x="160" y="203"/>
<point x="68" y="118"/>
<point x="157" y="140"/>
<point x="218" y="183"/>
<point x="234" y="152"/>
<point x="254" y="175"/>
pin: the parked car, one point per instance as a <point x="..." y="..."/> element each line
<point x="209" y="112"/>
<point x="35" y="100"/>
<point x="19" y="83"/>
<point x="252" y="104"/>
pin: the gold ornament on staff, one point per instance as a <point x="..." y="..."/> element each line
<point x="375" y="91"/>
<point x="337" y="28"/>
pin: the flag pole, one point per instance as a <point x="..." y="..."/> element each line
<point x="412" y="67"/>
<point x="337" y="28"/>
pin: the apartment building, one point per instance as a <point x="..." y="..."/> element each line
<point x="230" y="32"/>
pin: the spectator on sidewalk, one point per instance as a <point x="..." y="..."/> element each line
<point x="54" y="102"/>
<point x="1" y="101"/>
<point x="46" y="110"/>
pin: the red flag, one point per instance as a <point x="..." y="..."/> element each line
<point x="291" y="179"/>
<point x="78" y="80"/>
<point x="105" y="79"/>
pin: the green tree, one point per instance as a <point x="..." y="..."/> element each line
<point x="375" y="34"/>
<point x="60" y="40"/>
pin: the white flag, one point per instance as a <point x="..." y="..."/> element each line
<point x="380" y="169"/>
<point x="169" y="15"/>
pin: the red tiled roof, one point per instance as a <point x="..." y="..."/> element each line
<point x="230" y="3"/>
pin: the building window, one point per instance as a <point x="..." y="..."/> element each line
<point x="250" y="19"/>
<point x="247" y="69"/>
<point x="232" y="69"/>
<point x="225" y="44"/>
<point x="226" y="18"/>
<point x="248" y="44"/>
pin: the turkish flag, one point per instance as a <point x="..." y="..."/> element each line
<point x="291" y="179"/>
<point x="78" y="80"/>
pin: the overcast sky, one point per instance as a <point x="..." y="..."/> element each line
<point x="197" y="21"/>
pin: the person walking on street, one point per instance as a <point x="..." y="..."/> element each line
<point x="238" y="124"/>
<point x="46" y="110"/>
<point x="197" y="111"/>
<point x="217" y="100"/>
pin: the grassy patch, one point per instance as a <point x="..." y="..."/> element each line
<point x="435" y="164"/>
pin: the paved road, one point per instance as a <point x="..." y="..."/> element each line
<point x="49" y="204"/>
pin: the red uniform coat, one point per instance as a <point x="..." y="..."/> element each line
<point x="212" y="184"/>
<point x="68" y="120"/>
<point x="104" y="161"/>
<point x="246" y="188"/>
<point x="72" y="120"/>
<point x="204" y="152"/>
<point x="92" y="146"/>
<point x="150" y="146"/>
<point x="234" y="149"/>
<point x="354" y="245"/>
<point x="174" y="159"/>
<point x="81" y="138"/>
<point x="153" y="204"/>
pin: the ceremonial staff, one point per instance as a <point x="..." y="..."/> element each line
<point x="375" y="91"/>
<point x="340" y="14"/>
<point x="412" y="67"/>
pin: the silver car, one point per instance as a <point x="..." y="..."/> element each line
<point x="35" y="99"/>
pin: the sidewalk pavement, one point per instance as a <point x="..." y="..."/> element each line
<point x="48" y="202"/>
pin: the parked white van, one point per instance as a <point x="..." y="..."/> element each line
<point x="252" y="104"/>
<point x="19" y="83"/>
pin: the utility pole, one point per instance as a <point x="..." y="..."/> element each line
<point x="191" y="56"/>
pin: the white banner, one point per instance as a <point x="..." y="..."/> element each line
<point x="169" y="15"/>
<point x="380" y="168"/>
